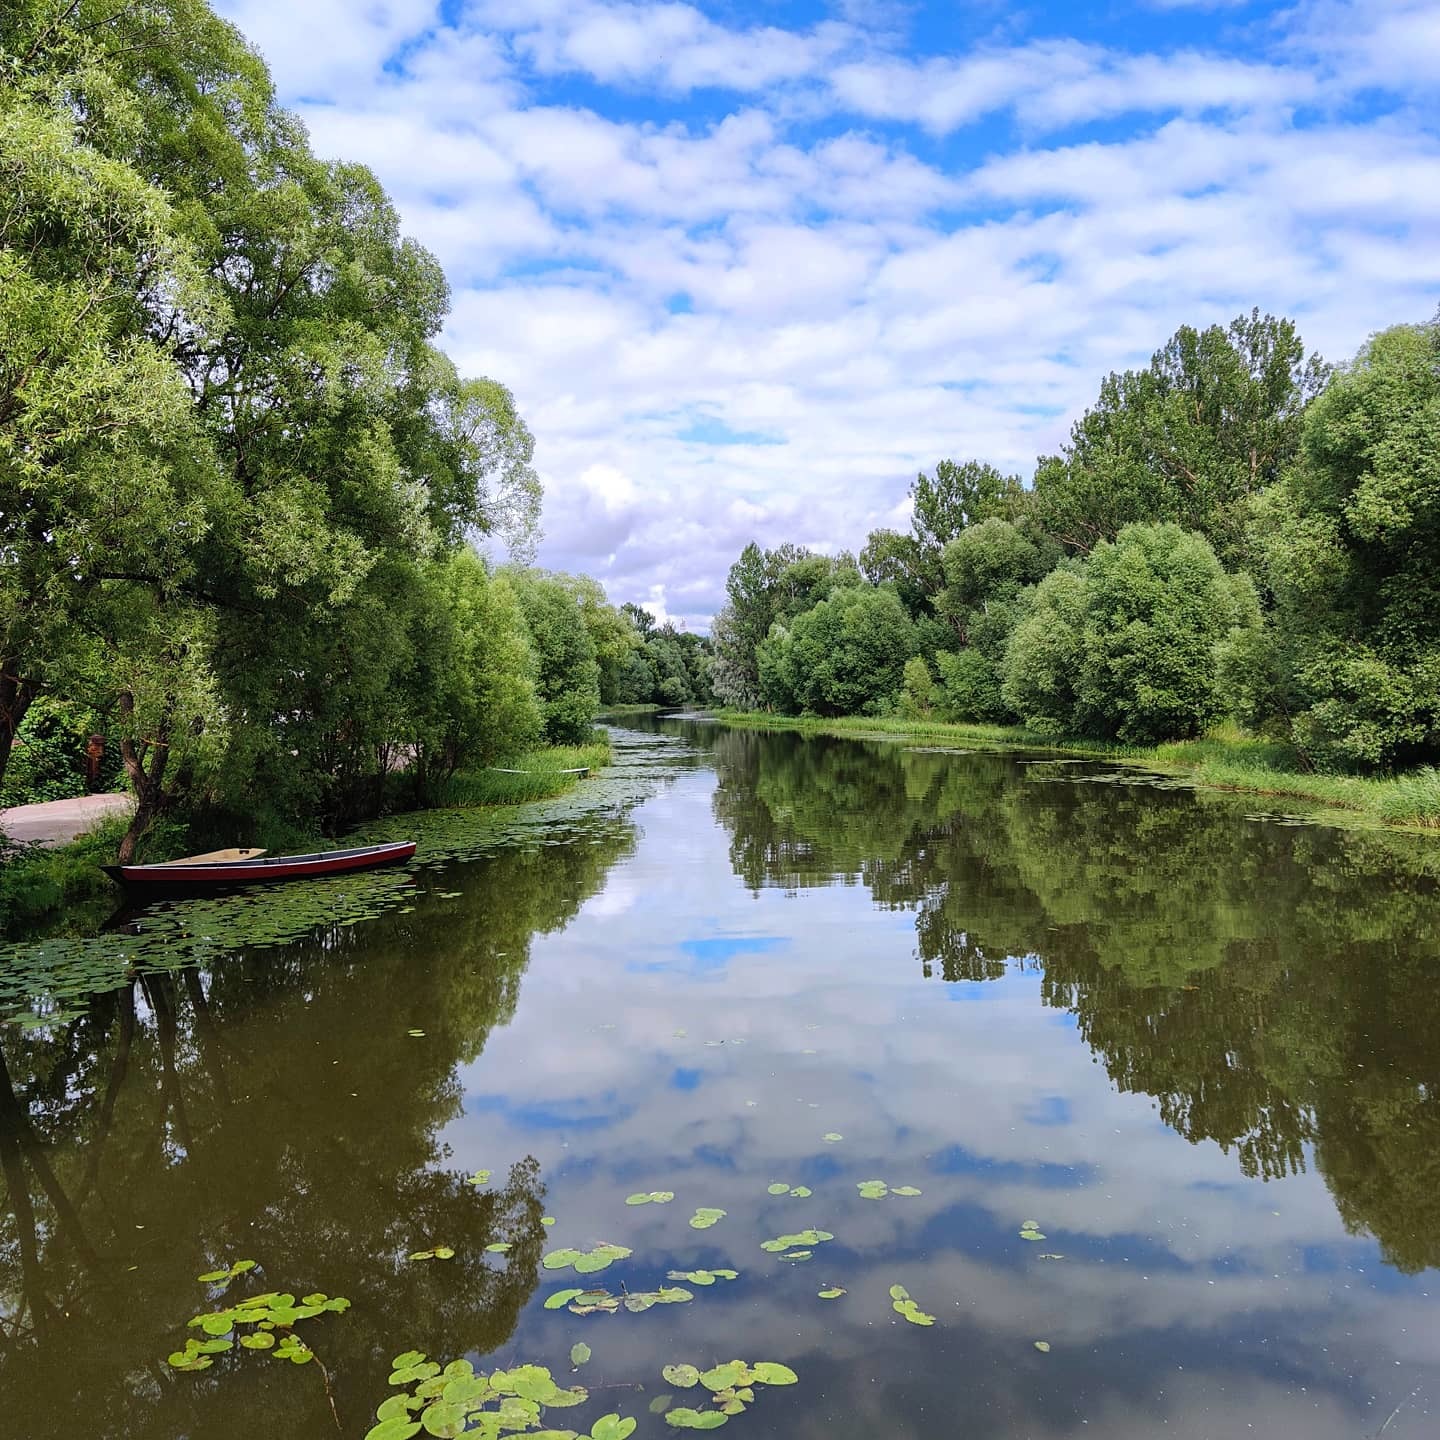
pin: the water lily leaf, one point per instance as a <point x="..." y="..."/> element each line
<point x="563" y="1399"/>
<point x="912" y="1312"/>
<point x="727" y="1274"/>
<point x="1043" y="1346"/>
<point x="767" y="1372"/>
<point x="561" y="1298"/>
<point x="480" y="1177"/>
<point x="802" y="1192"/>
<point x="444" y="1252"/>
<point x="873" y="1189"/>
<point x="905" y="1190"/>
<point x="465" y="1390"/>
<point x="394" y="1407"/>
<point x="661" y="1403"/>
<point x="444" y="1420"/>
<point x="695" y="1277"/>
<point x="674" y="1295"/>
<point x="833" y="1293"/>
<point x="394" y="1428"/>
<point x="799" y="1255"/>
<point x="498" y="1248"/>
<point x="593" y="1263"/>
<point x="638" y="1302"/>
<point x="684" y="1419"/>
<point x="705" y="1217"/>
<point x="661" y="1197"/>
<point x="533" y="1382"/>
<point x="733" y="1406"/>
<point x="612" y="1427"/>
<point x="221" y="1324"/>
<point x="726" y="1376"/>
<point x="547" y="1219"/>
<point x="638" y="1199"/>
<point x="779" y="1188"/>
<point x="579" y="1354"/>
<point x="831" y="1138"/>
<point x="260" y="1340"/>
<point x="211" y="1276"/>
<point x="899" y="1292"/>
<point x="682" y="1377"/>
<point x="410" y="1357"/>
<point x="1031" y="1235"/>
<point x="560" y="1259"/>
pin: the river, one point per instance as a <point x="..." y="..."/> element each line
<point x="1069" y="1101"/>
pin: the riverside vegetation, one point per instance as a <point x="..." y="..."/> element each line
<point x="243" y="493"/>
<point x="1237" y="544"/>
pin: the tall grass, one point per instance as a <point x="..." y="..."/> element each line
<point x="542" y="777"/>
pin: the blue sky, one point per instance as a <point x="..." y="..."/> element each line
<point x="748" y="266"/>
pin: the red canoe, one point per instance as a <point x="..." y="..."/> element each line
<point x="245" y="867"/>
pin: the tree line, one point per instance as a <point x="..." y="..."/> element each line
<point x="242" y="490"/>
<point x="1236" y="531"/>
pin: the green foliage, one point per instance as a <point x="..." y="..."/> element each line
<point x="1126" y="648"/>
<point x="845" y="656"/>
<point x="48" y="761"/>
<point x="568" y="680"/>
<point x="1213" y="420"/>
<point x="1351" y="656"/>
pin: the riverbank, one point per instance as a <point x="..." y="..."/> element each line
<point x="40" y="883"/>
<point x="1222" y="760"/>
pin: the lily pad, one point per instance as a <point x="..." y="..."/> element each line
<point x="833" y="1293"/>
<point x="480" y="1177"/>
<point x="723" y="1377"/>
<point x="612" y="1427"/>
<point x="394" y="1428"/>
<point x="778" y="1188"/>
<point x="705" y="1217"/>
<point x="682" y="1377"/>
<point x="498" y="1248"/>
<point x="683" y="1419"/>
<point x="832" y="1138"/>
<point x="905" y="1190"/>
<point x="1043" y="1346"/>
<point x="873" y="1189"/>
<point x="560" y="1259"/>
<point x="579" y="1354"/>
<point x="801" y="1192"/>
<point x="561" y="1298"/>
<point x="767" y="1372"/>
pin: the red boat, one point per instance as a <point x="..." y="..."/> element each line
<point x="247" y="867"/>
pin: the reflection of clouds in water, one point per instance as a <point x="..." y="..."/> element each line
<point x="1179" y="1276"/>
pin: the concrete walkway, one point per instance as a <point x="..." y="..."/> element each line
<point x="57" y="822"/>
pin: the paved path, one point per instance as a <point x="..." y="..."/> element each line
<point x="58" y="821"/>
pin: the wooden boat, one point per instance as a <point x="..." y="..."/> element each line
<point x="581" y="770"/>
<point x="251" y="867"/>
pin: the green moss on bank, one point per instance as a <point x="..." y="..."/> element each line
<point x="1222" y="760"/>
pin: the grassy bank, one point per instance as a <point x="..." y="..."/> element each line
<point x="613" y="710"/>
<point x="61" y="888"/>
<point x="1222" y="760"/>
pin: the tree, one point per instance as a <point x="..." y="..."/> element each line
<point x="568" y="681"/>
<point x="1214" y="419"/>
<point x="745" y="620"/>
<point x="103" y="474"/>
<point x="1127" y="647"/>
<point x="943" y="506"/>
<point x="844" y="657"/>
<point x="1348" y="540"/>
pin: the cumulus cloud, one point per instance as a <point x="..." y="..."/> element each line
<point x="745" y="281"/>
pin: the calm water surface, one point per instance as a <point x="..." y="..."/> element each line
<point x="1198" y="1047"/>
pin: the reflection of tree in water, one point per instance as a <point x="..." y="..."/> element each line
<point x="1272" y="987"/>
<point x="274" y="1108"/>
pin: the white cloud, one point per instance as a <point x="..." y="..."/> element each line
<point x="758" y="322"/>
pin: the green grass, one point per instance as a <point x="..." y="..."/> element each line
<point x="1225" y="759"/>
<point x="607" y="710"/>
<point x="543" y="778"/>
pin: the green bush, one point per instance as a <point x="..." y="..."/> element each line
<point x="846" y="656"/>
<point x="48" y="763"/>
<point x="1128" y="649"/>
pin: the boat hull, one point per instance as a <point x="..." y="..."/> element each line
<point x="221" y="875"/>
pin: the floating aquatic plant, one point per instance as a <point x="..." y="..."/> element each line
<point x="1030" y="1230"/>
<point x="790" y="1242"/>
<point x="705" y="1217"/>
<point x="703" y="1277"/>
<point x="902" y="1304"/>
<point x="456" y="1400"/>
<point x="878" y="1190"/>
<point x="261" y="1322"/>
<point x="440" y="1252"/>
<point x="731" y="1386"/>
<point x="653" y="1197"/>
<point x="602" y="1302"/>
<point x="586" y="1262"/>
<point x="222" y="1278"/>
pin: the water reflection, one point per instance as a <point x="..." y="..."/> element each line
<point x="1197" y="1049"/>
<point x="1273" y="987"/>
<point x="275" y="1106"/>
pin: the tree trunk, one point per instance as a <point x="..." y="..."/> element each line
<point x="147" y="782"/>
<point x="15" y="697"/>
